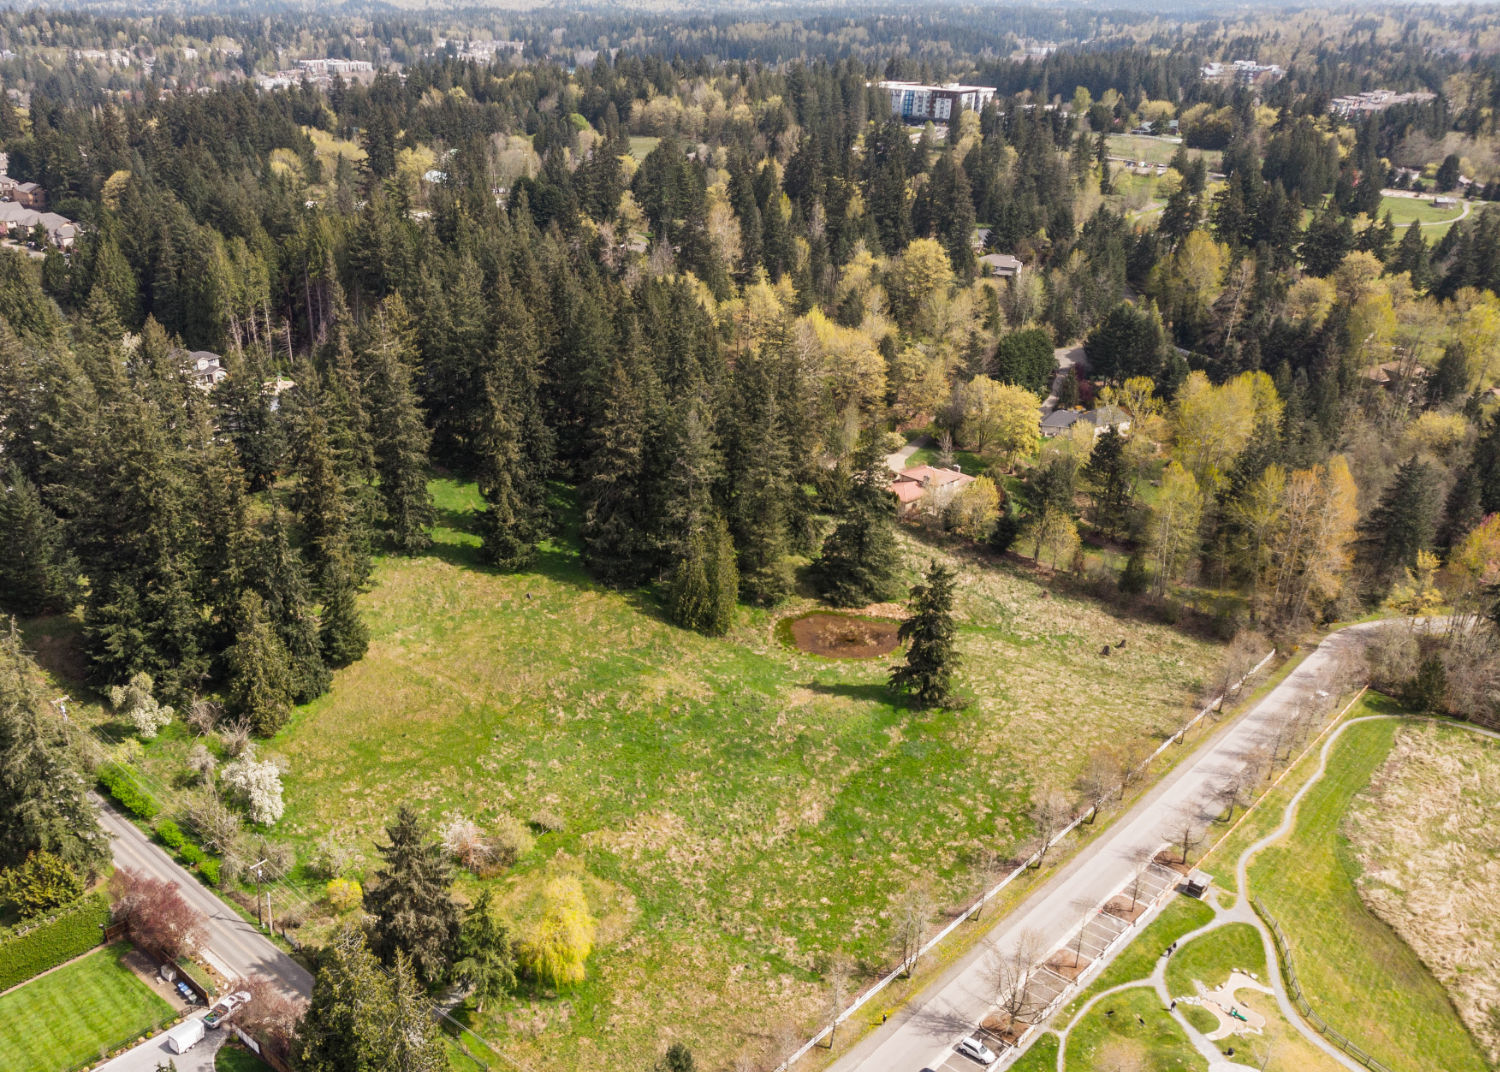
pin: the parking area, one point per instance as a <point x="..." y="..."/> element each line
<point x="957" y="1062"/>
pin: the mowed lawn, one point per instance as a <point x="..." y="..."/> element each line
<point x="742" y="811"/>
<point x="62" y="1019"/>
<point x="1131" y="1030"/>
<point x="1356" y="972"/>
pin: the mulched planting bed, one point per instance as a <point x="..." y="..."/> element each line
<point x="843" y="636"/>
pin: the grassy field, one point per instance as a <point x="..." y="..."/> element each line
<point x="739" y="811"/>
<point x="1423" y="833"/>
<point x="1435" y="221"/>
<point x="1357" y="973"/>
<point x="1131" y="1030"/>
<point x="641" y="146"/>
<point x="74" y="1013"/>
<point x="1210" y="958"/>
<point x="1157" y="150"/>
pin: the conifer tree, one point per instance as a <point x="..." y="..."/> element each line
<point x="342" y="633"/>
<point x="614" y="530"/>
<point x="36" y="570"/>
<point x="689" y="597"/>
<point x="259" y="688"/>
<point x="1108" y="477"/>
<point x="760" y="488"/>
<point x="44" y="805"/>
<point x="931" y="655"/>
<point x="415" y="913"/>
<point x="859" y="558"/>
<point x="1402" y="524"/>
<point x="723" y="579"/>
<point x="486" y="953"/>
<point x="279" y="576"/>
<point x="399" y="437"/>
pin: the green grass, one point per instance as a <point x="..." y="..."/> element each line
<point x="1405" y="209"/>
<point x="1157" y="150"/>
<point x="1210" y="958"/>
<point x="641" y="146"/>
<point x="1040" y="1057"/>
<point x="1182" y="915"/>
<point x="740" y="810"/>
<point x="233" y="1058"/>
<point x="1357" y="974"/>
<point x="1200" y="1018"/>
<point x="67" y="1017"/>
<point x="969" y="462"/>
<point x="1121" y="1040"/>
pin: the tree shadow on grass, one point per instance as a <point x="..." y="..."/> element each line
<point x="871" y="693"/>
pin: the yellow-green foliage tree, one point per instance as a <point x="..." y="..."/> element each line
<point x="1212" y="424"/>
<point x="975" y="508"/>
<point x="1174" y="523"/>
<point x="998" y="420"/>
<point x="558" y="942"/>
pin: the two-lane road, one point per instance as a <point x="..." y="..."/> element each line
<point x="234" y="947"/>
<point x="922" y="1034"/>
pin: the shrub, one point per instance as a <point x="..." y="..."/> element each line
<point x="257" y="785"/>
<point x="74" y="931"/>
<point x="344" y="894"/>
<point x="559" y="941"/>
<point x="547" y="821"/>
<point x="118" y="783"/>
<point x="135" y="702"/>
<point x="209" y="869"/>
<point x="511" y="840"/>
<point x="43" y="882"/>
<point x="171" y="835"/>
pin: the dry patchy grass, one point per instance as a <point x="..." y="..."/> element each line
<point x="1425" y="835"/>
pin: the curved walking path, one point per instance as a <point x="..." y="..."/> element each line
<point x="1243" y="912"/>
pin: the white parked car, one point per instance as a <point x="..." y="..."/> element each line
<point x="224" y="1008"/>
<point x="972" y="1047"/>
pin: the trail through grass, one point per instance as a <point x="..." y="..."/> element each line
<point x="1356" y="972"/>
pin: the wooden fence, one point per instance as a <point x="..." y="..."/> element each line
<point x="1300" y="1000"/>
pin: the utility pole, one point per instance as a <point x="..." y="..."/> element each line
<point x="255" y="867"/>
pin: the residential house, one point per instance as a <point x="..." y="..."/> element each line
<point x="203" y="367"/>
<point x="61" y="231"/>
<point x="30" y="195"/>
<point x="1102" y="418"/>
<point x="927" y="489"/>
<point x="1002" y="265"/>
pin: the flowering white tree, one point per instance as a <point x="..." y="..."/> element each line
<point x="135" y="702"/>
<point x="257" y="785"/>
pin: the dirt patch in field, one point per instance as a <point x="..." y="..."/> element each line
<point x="843" y="636"/>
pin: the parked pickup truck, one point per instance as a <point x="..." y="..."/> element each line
<point x="224" y="1008"/>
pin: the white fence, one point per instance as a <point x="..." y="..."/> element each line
<point x="990" y="894"/>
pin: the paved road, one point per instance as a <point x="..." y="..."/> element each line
<point x="922" y="1034"/>
<point x="234" y="948"/>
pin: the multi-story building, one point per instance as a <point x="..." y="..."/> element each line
<point x="918" y="103"/>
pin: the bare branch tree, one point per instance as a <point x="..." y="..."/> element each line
<point x="1050" y="811"/>
<point x="1014" y="973"/>
<point x="840" y="968"/>
<point x="913" y="913"/>
<point x="1185" y="831"/>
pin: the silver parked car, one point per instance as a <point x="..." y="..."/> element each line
<point x="978" y="1051"/>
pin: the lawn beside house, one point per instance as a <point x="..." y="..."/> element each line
<point x="92" y="1004"/>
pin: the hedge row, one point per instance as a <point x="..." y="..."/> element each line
<point x="74" y="931"/>
<point x="117" y="781"/>
<point x="171" y="835"/>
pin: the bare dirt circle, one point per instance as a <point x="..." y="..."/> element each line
<point x="844" y="636"/>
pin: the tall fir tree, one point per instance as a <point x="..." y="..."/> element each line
<point x="342" y="634"/>
<point x="399" y="437"/>
<point x="413" y="908"/>
<point x="615" y="541"/>
<point x="1403" y="523"/>
<point x="859" y="558"/>
<point x="259" y="685"/>
<point x="760" y="490"/>
<point x="931" y="652"/>
<point x="44" y="803"/>
<point x="280" y="577"/>
<point x="37" y="572"/>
